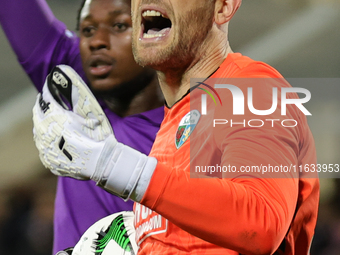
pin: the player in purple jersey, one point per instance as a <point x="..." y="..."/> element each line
<point x="102" y="55"/>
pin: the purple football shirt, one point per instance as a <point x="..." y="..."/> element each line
<point x="41" y="42"/>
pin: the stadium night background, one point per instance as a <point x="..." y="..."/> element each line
<point x="299" y="38"/>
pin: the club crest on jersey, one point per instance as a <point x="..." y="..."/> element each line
<point x="186" y="126"/>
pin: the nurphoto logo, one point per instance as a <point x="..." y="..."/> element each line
<point x="239" y="101"/>
<point x="281" y="98"/>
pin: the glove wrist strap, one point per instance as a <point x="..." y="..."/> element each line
<point x="120" y="169"/>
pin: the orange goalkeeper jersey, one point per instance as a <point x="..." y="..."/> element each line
<point x="230" y="183"/>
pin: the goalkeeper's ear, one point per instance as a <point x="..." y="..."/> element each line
<point x="225" y="10"/>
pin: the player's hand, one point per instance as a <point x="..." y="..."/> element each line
<point x="70" y="128"/>
<point x="75" y="139"/>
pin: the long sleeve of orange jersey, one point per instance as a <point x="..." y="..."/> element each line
<point x="250" y="216"/>
<point x="246" y="212"/>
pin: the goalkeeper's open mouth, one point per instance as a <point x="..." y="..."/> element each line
<point x="155" y="25"/>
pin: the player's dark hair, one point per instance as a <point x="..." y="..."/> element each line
<point x="79" y="12"/>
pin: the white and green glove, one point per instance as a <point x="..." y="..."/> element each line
<point x="75" y="139"/>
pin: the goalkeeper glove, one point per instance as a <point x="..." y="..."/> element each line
<point x="75" y="139"/>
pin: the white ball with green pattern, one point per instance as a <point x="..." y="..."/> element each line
<point x="114" y="234"/>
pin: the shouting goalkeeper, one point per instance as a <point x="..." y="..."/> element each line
<point x="176" y="213"/>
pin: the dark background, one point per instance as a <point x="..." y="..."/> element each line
<point x="300" y="38"/>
